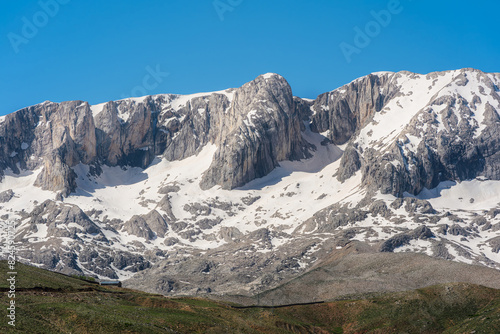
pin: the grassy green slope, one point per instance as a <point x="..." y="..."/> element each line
<point x="52" y="303"/>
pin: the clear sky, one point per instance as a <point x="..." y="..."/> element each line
<point x="98" y="51"/>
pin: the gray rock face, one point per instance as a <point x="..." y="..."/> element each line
<point x="230" y="234"/>
<point x="399" y="240"/>
<point x="138" y="226"/>
<point x="495" y="244"/>
<point x="457" y="230"/>
<point x="56" y="136"/>
<point x="156" y="223"/>
<point x="261" y="128"/>
<point x="56" y="176"/>
<point x="332" y="217"/>
<point x="413" y="205"/>
<point x="6" y="196"/>
<point x="380" y="208"/>
<point x="171" y="188"/>
<point x="147" y="226"/>
<point x="89" y="250"/>
<point x="452" y="145"/>
<point x="249" y="200"/>
<point x="350" y="163"/>
<point x="130" y="132"/>
<point x="64" y="220"/>
<point x="254" y="131"/>
<point x="343" y="111"/>
<point x="165" y="205"/>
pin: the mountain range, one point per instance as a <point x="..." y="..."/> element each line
<point x="243" y="190"/>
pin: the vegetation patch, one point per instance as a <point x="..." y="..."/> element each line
<point x="48" y="302"/>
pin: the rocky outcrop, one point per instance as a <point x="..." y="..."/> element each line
<point x="453" y="137"/>
<point x="56" y="136"/>
<point x="254" y="127"/>
<point x="63" y="220"/>
<point x="147" y="226"/>
<point x="331" y="218"/>
<point x="66" y="129"/>
<point x="56" y="176"/>
<point x="422" y="233"/>
<point x="55" y="223"/>
<point x="344" y="110"/>
<point x="261" y="128"/>
<point x="495" y="244"/>
<point x="413" y="205"/>
<point x="350" y="163"/>
<point x="6" y="196"/>
<point x="128" y="133"/>
<point x="17" y="129"/>
<point x="454" y="153"/>
<point x="138" y="226"/>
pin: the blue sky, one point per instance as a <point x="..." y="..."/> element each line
<point x="106" y="50"/>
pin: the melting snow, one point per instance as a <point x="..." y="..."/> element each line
<point x="473" y="194"/>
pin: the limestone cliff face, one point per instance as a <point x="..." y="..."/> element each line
<point x="254" y="127"/>
<point x="453" y="135"/>
<point x="343" y="111"/>
<point x="68" y="129"/>
<point x="192" y="125"/>
<point x="55" y="136"/>
<point x="261" y="128"/>
<point x="17" y="128"/>
<point x="56" y="176"/>
<point x="130" y="139"/>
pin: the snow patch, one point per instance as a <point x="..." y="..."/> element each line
<point x="97" y="108"/>
<point x="474" y="194"/>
